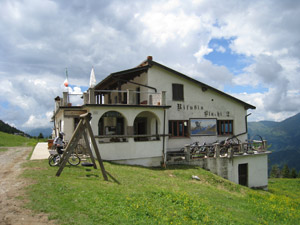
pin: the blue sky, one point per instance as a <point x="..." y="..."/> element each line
<point x="222" y="55"/>
<point x="236" y="46"/>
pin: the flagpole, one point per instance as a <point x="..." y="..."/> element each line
<point x="68" y="84"/>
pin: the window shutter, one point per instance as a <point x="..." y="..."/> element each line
<point x="177" y="91"/>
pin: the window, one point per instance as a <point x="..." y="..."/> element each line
<point x="177" y="91"/>
<point x="178" y="128"/>
<point x="225" y="127"/>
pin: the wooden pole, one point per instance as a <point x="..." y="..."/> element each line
<point x="71" y="145"/>
<point x="89" y="149"/>
<point x="87" y="118"/>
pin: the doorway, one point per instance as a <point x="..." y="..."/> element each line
<point x="140" y="128"/>
<point x="243" y="174"/>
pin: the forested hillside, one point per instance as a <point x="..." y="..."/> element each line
<point x="283" y="138"/>
<point x="6" y="128"/>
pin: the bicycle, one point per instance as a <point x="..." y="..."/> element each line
<point x="232" y="144"/>
<point x="55" y="159"/>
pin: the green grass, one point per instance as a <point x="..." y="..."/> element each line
<point x="157" y="196"/>
<point x="10" y="140"/>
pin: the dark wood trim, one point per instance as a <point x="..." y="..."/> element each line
<point x="177" y="126"/>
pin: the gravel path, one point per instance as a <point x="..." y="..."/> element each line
<point x="12" y="186"/>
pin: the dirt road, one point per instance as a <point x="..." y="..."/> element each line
<point x="12" y="186"/>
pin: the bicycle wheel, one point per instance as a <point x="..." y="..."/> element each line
<point x="53" y="160"/>
<point x="74" y="160"/>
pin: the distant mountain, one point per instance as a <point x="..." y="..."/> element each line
<point x="6" y="128"/>
<point x="45" y="131"/>
<point x="284" y="138"/>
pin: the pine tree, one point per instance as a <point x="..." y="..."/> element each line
<point x="275" y="171"/>
<point x="285" y="172"/>
<point x="41" y="136"/>
<point x="293" y="173"/>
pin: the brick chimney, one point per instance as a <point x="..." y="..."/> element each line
<point x="149" y="58"/>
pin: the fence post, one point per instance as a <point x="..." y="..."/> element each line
<point x="130" y="97"/>
<point x="264" y="144"/>
<point x="217" y="150"/>
<point x="187" y="151"/>
<point x="92" y="96"/>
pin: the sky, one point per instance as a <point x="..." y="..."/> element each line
<point x="248" y="49"/>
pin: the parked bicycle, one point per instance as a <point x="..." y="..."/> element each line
<point x="232" y="143"/>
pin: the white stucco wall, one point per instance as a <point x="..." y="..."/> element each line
<point x="195" y="104"/>
<point x="131" y="150"/>
<point x="257" y="169"/>
<point x="68" y="128"/>
<point x="59" y="117"/>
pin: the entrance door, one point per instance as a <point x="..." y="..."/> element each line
<point x="140" y="128"/>
<point x="243" y="174"/>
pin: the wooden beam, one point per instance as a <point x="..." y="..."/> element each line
<point x="87" y="118"/>
<point x="70" y="147"/>
<point x="89" y="148"/>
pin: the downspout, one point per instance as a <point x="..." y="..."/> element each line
<point x="164" y="127"/>
<point x="55" y="132"/>
<point x="246" y="123"/>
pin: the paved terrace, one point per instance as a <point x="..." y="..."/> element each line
<point x="40" y="151"/>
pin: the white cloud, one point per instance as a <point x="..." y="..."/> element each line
<point x="41" y="121"/>
<point x="39" y="39"/>
<point x="204" y="50"/>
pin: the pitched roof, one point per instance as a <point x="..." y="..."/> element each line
<point x="114" y="78"/>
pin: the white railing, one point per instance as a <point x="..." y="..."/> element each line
<point x="113" y="97"/>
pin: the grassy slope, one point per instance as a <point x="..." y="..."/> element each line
<point x="156" y="196"/>
<point x="10" y="140"/>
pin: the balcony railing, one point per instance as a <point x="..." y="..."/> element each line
<point x="113" y="97"/>
<point x="125" y="97"/>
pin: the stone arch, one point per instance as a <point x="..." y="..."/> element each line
<point x="112" y="123"/>
<point x="146" y="123"/>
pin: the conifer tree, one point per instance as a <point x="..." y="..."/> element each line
<point x="285" y="172"/>
<point x="293" y="173"/>
<point x="41" y="135"/>
<point x="275" y="171"/>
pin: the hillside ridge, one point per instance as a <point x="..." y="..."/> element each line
<point x="282" y="137"/>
